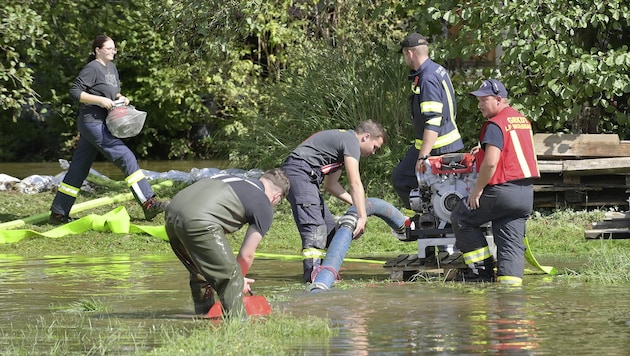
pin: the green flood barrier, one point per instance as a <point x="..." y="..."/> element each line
<point x="80" y="207"/>
<point x="116" y="221"/>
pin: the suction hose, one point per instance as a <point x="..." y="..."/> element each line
<point x="328" y="272"/>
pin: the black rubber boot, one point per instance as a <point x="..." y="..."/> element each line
<point x="151" y="207"/>
<point x="477" y="272"/>
<point x="308" y="265"/>
<point x="59" y="219"/>
<point x="203" y="296"/>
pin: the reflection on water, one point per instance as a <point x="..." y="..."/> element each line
<point x="546" y="316"/>
<point x="541" y="318"/>
<point x="22" y="170"/>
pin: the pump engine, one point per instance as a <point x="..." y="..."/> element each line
<point x="447" y="179"/>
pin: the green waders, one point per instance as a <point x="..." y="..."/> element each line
<point x="207" y="255"/>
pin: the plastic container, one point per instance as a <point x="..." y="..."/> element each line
<point x="125" y="120"/>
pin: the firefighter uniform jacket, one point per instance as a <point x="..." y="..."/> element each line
<point x="433" y="106"/>
<point x="518" y="158"/>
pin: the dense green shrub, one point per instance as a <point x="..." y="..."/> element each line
<point x="248" y="80"/>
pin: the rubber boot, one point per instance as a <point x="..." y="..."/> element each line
<point x="232" y="299"/>
<point x="309" y="265"/>
<point x="152" y="207"/>
<point x="202" y="295"/>
<point x="482" y="271"/>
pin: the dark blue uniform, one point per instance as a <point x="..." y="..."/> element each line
<point x="306" y="167"/>
<point x="433" y="106"/>
<point x="97" y="79"/>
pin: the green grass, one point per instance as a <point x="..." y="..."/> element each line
<point x="87" y="334"/>
<point x="263" y="336"/>
<point x="552" y="234"/>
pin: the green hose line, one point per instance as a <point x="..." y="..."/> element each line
<point x="299" y="257"/>
<point x="116" y="221"/>
<point x="77" y="208"/>
<point x="532" y="260"/>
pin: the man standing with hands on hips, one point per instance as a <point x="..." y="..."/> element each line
<point x="503" y="193"/>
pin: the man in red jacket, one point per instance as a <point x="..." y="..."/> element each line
<point x="503" y="193"/>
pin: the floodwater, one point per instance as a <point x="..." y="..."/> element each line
<point x="545" y="317"/>
<point x="44" y="302"/>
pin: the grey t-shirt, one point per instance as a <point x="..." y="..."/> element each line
<point x="326" y="149"/>
<point x="95" y="79"/>
<point x="225" y="200"/>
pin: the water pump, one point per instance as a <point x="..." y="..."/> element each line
<point x="445" y="180"/>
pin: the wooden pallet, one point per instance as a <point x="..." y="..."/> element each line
<point x="616" y="225"/>
<point x="579" y="146"/>
<point x="585" y="170"/>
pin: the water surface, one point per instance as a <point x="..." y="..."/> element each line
<point x="545" y="317"/>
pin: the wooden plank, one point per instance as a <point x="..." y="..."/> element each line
<point x="615" y="225"/>
<point x="590" y="166"/>
<point x="580" y="145"/>
<point x="571" y="179"/>
<point x="587" y="198"/>
<point x="611" y="224"/>
<point x="607" y="234"/>
<point x="555" y="166"/>
<point x="597" y="166"/>
<point x="617" y="215"/>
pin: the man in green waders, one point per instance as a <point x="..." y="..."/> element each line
<point x="196" y="222"/>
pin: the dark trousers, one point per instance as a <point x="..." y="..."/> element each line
<point x="314" y="220"/>
<point x="208" y="257"/>
<point x="404" y="176"/>
<point x="94" y="138"/>
<point x="508" y="207"/>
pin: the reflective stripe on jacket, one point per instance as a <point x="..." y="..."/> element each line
<point x="518" y="157"/>
<point x="433" y="104"/>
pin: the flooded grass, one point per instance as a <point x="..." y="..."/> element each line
<point x="278" y="335"/>
<point x="89" y="334"/>
<point x="99" y="293"/>
<point x="606" y="265"/>
<point x="64" y="334"/>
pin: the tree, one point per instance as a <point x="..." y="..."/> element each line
<point x="247" y="80"/>
<point x="564" y="63"/>
<point x="21" y="35"/>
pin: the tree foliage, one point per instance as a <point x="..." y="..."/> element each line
<point x="21" y="41"/>
<point x="565" y="63"/>
<point x="248" y="80"/>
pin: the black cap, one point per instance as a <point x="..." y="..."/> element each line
<point x="412" y="40"/>
<point x="491" y="87"/>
